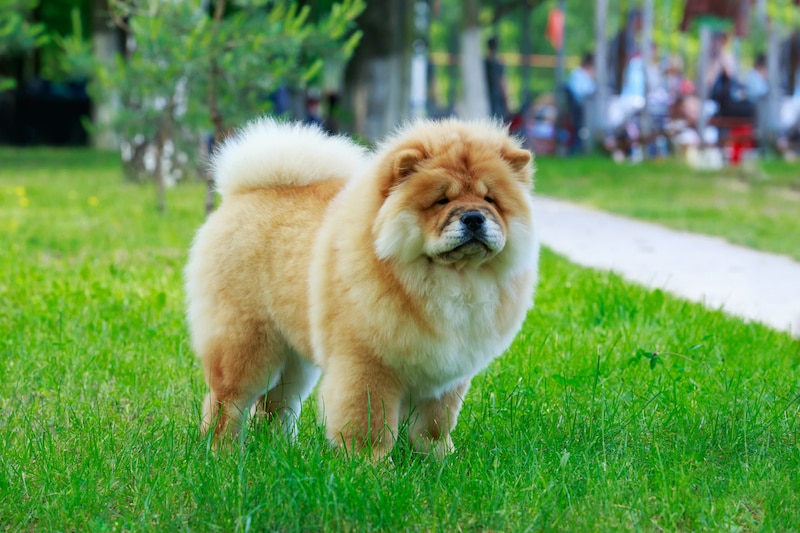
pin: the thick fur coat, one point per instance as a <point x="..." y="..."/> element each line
<point x="398" y="275"/>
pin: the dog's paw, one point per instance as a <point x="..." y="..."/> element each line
<point x="436" y="448"/>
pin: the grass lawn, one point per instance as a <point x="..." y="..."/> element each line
<point x="616" y="407"/>
<point x="759" y="212"/>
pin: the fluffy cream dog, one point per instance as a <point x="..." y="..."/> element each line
<point x="399" y="274"/>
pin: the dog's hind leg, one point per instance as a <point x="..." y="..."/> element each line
<point x="238" y="369"/>
<point x="285" y="400"/>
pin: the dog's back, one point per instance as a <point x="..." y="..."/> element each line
<point x="247" y="275"/>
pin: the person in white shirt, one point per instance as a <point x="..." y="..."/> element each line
<point x="755" y="81"/>
<point x="581" y="80"/>
<point x="580" y="85"/>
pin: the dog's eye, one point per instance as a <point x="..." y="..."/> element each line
<point x="443" y="201"/>
<point x="489" y="199"/>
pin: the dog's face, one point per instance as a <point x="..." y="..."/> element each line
<point x="456" y="197"/>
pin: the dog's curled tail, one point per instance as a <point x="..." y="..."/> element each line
<point x="269" y="153"/>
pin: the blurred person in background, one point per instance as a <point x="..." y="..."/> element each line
<point x="720" y="61"/>
<point x="496" y="81"/>
<point x="755" y="81"/>
<point x="580" y="85"/>
<point x="676" y="82"/>
<point x="622" y="48"/>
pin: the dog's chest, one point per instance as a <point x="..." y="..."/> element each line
<point x="464" y="337"/>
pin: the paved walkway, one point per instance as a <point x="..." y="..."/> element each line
<point x="754" y="285"/>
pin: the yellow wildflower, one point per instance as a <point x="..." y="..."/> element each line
<point x="24" y="202"/>
<point x="20" y="191"/>
<point x="93" y="201"/>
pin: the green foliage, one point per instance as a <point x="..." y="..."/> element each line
<point x="17" y="33"/>
<point x="146" y="82"/>
<point x="783" y="12"/>
<point x="573" y="429"/>
<point x="77" y="60"/>
<point x="64" y="20"/>
<point x="189" y="67"/>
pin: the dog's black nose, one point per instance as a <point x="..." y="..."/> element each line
<point x="473" y="220"/>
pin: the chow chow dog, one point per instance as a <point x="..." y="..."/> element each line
<point x="396" y="275"/>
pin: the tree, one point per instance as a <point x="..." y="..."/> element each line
<point x="194" y="68"/>
<point x="377" y="80"/>
<point x="17" y="34"/>
<point x="476" y="101"/>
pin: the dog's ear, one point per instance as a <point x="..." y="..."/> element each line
<point x="520" y="162"/>
<point x="405" y="163"/>
<point x="517" y="158"/>
<point x="399" y="166"/>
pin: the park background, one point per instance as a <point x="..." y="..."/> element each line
<point x="616" y="408"/>
<point x="142" y="75"/>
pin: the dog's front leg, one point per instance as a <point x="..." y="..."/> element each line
<point x="360" y="403"/>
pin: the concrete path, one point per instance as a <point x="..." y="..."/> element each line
<point x="754" y="285"/>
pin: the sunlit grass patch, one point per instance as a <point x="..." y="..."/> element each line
<point x="615" y="408"/>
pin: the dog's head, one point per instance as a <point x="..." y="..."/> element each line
<point x="455" y="193"/>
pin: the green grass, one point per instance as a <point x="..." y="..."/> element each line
<point x="758" y="209"/>
<point x="616" y="407"/>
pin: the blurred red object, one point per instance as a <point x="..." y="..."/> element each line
<point x="555" y="28"/>
<point x="742" y="140"/>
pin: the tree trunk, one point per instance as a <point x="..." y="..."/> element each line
<point x="164" y="135"/>
<point x="219" y="128"/>
<point x="161" y="200"/>
<point x="772" y="104"/>
<point x="526" y="47"/>
<point x="377" y="79"/>
<point x="453" y="47"/>
<point x="702" y="89"/>
<point x="560" y="78"/>
<point x="647" y="57"/>
<point x="476" y="99"/>
<point x="214" y="113"/>
<point x="106" y="45"/>
<point x="599" y="104"/>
